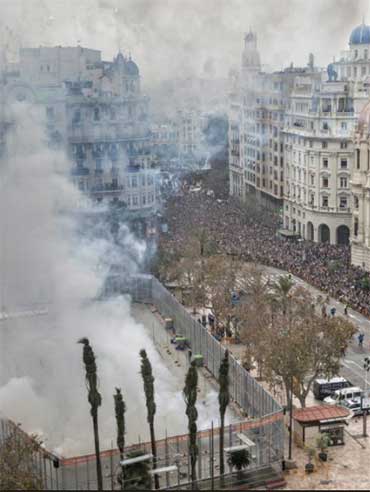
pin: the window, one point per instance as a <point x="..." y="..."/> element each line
<point x="135" y="200"/>
<point x="343" y="144"/>
<point x="354" y="72"/>
<point x="50" y="113"/>
<point x="343" y="202"/>
<point x="98" y="165"/>
<point x="356" y="54"/>
<point x="312" y="199"/>
<point x="356" y="202"/>
<point x="324" y="144"/>
<point x="144" y="199"/>
<point x="325" y="182"/>
<point x="76" y="116"/>
<point x="325" y="163"/>
<point x="343" y="125"/>
<point x="343" y="182"/>
<point x="325" y="201"/>
<point x="365" y="54"/>
<point x="134" y="182"/>
<point x="343" y="163"/>
<point x="363" y="70"/>
<point x="358" y="158"/>
<point x="311" y="144"/>
<point x="355" y="228"/>
<point x="96" y="114"/>
<point x="312" y="179"/>
<point x="143" y="179"/>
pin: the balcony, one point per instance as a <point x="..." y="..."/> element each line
<point x="80" y="171"/>
<point x="108" y="189"/>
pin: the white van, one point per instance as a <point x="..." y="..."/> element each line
<point x="352" y="393"/>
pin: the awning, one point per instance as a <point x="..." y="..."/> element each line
<point x="287" y="233"/>
<point x="320" y="413"/>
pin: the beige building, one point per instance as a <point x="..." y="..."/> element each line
<point x="318" y="155"/>
<point x="360" y="184"/>
<point x="95" y="111"/>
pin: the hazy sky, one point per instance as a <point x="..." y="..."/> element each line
<point x="176" y="37"/>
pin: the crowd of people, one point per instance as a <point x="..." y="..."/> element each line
<point x="252" y="235"/>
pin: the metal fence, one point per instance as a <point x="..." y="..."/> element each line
<point x="264" y="428"/>
<point x="79" y="473"/>
<point x="244" y="389"/>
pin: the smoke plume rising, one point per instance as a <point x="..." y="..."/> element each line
<point x="51" y="276"/>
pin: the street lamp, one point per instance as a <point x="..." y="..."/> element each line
<point x="367" y="369"/>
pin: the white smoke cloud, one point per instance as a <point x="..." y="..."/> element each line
<point x="186" y="33"/>
<point x="49" y="265"/>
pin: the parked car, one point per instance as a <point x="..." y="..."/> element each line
<point x="353" y="405"/>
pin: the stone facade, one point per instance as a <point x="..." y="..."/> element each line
<point x="94" y="110"/>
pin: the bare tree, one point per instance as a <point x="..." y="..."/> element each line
<point x="17" y="462"/>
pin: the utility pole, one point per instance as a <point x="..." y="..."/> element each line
<point x="290" y="417"/>
<point x="365" y="396"/>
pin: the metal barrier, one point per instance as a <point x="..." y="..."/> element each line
<point x="264" y="429"/>
<point x="244" y="389"/>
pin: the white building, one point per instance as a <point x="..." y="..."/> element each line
<point x="95" y="111"/>
<point x="360" y="184"/>
<point x="319" y="129"/>
<point x="318" y="160"/>
<point x="256" y="121"/>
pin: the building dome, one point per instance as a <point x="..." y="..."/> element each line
<point x="132" y="68"/>
<point x="360" y="35"/>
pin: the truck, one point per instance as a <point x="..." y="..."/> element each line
<point x="326" y="387"/>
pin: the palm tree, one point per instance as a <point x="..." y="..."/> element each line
<point x="94" y="399"/>
<point x="148" y="379"/>
<point x="239" y="460"/>
<point x="190" y="397"/>
<point x="281" y="290"/>
<point x="223" y="400"/>
<point x="120" y="409"/>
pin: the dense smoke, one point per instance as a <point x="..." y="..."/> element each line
<point x="177" y="39"/>
<point x="50" y="275"/>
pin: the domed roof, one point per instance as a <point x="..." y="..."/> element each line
<point x="360" y="35"/>
<point x="364" y="117"/>
<point x="131" y="67"/>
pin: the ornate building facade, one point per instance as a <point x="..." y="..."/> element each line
<point x="95" y="111"/>
<point x="360" y="184"/>
<point x="291" y="137"/>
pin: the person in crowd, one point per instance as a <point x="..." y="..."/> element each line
<point x="250" y="234"/>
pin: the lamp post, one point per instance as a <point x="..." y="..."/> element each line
<point x="290" y="418"/>
<point x="367" y="369"/>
